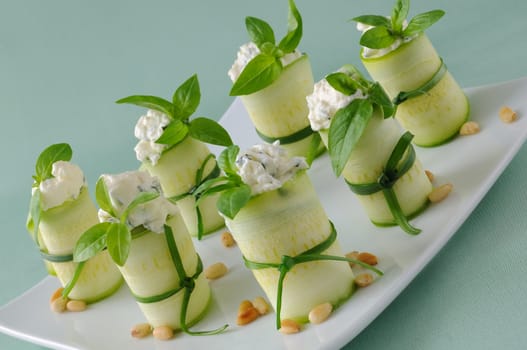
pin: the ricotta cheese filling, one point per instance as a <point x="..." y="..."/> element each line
<point x="148" y="129"/>
<point x="66" y="184"/>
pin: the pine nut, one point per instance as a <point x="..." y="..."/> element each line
<point x="57" y="294"/>
<point x="469" y="128"/>
<point x="364" y="280"/>
<point x="247" y="316"/>
<point x="354" y="255"/>
<point x="261" y="305"/>
<point x="507" y="115"/>
<point x="430" y="175"/>
<point x="163" y="333"/>
<point x="76" y="305"/>
<point x="320" y="313"/>
<point x="368" y="258"/>
<point x="215" y="271"/>
<point x="244" y="306"/>
<point x="440" y="193"/>
<point x="227" y="239"/>
<point x="59" y="305"/>
<point x="288" y="326"/>
<point x="141" y="330"/>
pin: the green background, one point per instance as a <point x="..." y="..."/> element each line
<point x="63" y="63"/>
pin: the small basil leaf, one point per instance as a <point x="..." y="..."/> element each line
<point x="216" y="189"/>
<point x="91" y="242"/>
<point x="342" y="83"/>
<point x="151" y="102"/>
<point x="373" y="20"/>
<point x="209" y="131"/>
<point x="102" y="197"/>
<point x="232" y="201"/>
<point x="259" y="31"/>
<point x="347" y="126"/>
<point x="259" y="73"/>
<point x="174" y="133"/>
<point x="52" y="154"/>
<point x="227" y="160"/>
<point x="422" y="21"/>
<point x="294" y="30"/>
<point x="34" y="212"/>
<point x="118" y="242"/>
<point x="399" y="13"/>
<point x="377" y="38"/>
<point x="379" y="97"/>
<point x="141" y="198"/>
<point x="186" y="98"/>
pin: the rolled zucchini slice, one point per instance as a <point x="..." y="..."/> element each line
<point x="180" y="171"/>
<point x="281" y="225"/>
<point x="431" y="105"/>
<point x="60" y="228"/>
<point x="279" y="111"/>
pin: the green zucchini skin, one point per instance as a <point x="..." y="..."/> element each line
<point x="435" y="117"/>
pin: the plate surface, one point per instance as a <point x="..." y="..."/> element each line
<point x="472" y="164"/>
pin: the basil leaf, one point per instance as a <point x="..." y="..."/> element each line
<point x="345" y="130"/>
<point x="209" y="131"/>
<point x="259" y="31"/>
<point x="373" y="20"/>
<point x="422" y="21"/>
<point x="294" y="30"/>
<point x="52" y="154"/>
<point x="342" y="83"/>
<point x="226" y="185"/>
<point x="118" y="242"/>
<point x="227" y="160"/>
<point x="102" y="197"/>
<point x="91" y="242"/>
<point x="378" y="96"/>
<point x="399" y="14"/>
<point x="34" y="212"/>
<point x="174" y="133"/>
<point x="232" y="201"/>
<point x="151" y="102"/>
<point x="141" y="198"/>
<point x="186" y="98"/>
<point x="377" y="38"/>
<point x="259" y="73"/>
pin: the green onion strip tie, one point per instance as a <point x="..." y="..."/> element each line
<point x="199" y="180"/>
<point x="187" y="283"/>
<point x="389" y="177"/>
<point x="313" y="254"/>
<point x="423" y="89"/>
<point x="285" y="140"/>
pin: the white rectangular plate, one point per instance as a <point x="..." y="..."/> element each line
<point x="471" y="163"/>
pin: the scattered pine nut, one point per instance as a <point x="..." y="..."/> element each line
<point x="244" y="306"/>
<point x="368" y="258"/>
<point x="59" y="304"/>
<point x="163" y="333"/>
<point x="354" y="255"/>
<point x="320" y="313"/>
<point x="227" y="239"/>
<point x="469" y="128"/>
<point x="261" y="305"/>
<point x="364" y="280"/>
<point x="76" y="305"/>
<point x="440" y="193"/>
<point x="57" y="294"/>
<point x="507" y="115"/>
<point x="246" y="313"/>
<point x="215" y="271"/>
<point x="289" y="326"/>
<point x="141" y="330"/>
<point x="430" y="175"/>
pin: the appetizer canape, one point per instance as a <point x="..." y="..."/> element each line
<point x="399" y="55"/>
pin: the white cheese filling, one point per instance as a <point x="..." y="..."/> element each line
<point x="148" y="129"/>
<point x="66" y="184"/>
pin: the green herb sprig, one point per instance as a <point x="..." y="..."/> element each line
<point x="54" y="153"/>
<point x="386" y="31"/>
<point x="184" y="103"/>
<point x="349" y="122"/>
<point x="234" y="192"/>
<point x="266" y="67"/>
<point x="115" y="236"/>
